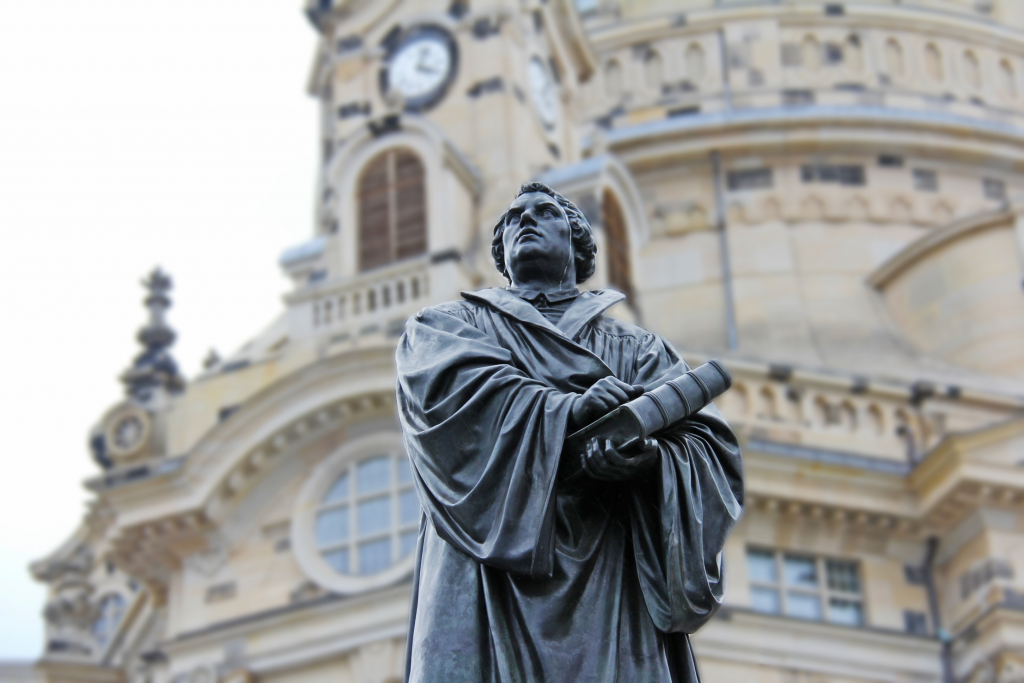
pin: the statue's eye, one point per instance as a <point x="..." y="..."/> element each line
<point x="548" y="213"/>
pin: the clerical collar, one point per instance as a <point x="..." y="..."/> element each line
<point x="551" y="297"/>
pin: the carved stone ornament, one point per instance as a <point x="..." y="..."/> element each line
<point x="70" y="609"/>
<point x="72" y="569"/>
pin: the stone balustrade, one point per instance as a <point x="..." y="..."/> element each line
<point x="873" y="423"/>
<point x="392" y="294"/>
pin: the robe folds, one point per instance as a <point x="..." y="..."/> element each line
<point x="520" y="577"/>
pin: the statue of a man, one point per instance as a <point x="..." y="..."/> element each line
<point x="521" y="576"/>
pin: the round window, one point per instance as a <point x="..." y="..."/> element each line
<point x="370" y="516"/>
<point x="357" y="518"/>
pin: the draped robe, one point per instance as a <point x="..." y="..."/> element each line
<point x="522" y="578"/>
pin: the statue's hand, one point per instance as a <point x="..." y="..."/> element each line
<point x="604" y="396"/>
<point x="605" y="462"/>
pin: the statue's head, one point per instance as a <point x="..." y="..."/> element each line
<point x="542" y="231"/>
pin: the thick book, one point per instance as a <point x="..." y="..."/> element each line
<point x="628" y="425"/>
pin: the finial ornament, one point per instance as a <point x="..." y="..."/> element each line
<point x="212" y="360"/>
<point x="154" y="366"/>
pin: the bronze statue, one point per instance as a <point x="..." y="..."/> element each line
<point x="526" y="572"/>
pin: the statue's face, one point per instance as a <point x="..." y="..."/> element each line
<point x="538" y="240"/>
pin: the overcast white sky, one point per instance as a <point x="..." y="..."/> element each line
<point x="131" y="135"/>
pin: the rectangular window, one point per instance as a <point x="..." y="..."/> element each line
<point x="984" y="573"/>
<point x="915" y="623"/>
<point x="994" y="189"/>
<point x="805" y="587"/>
<point x="914" y="575"/>
<point x="833" y="53"/>
<point x="925" y="180"/>
<point x="791" y="55"/>
<point x="750" y="179"/>
<point x="841" y="174"/>
<point x="797" y="98"/>
<point x="890" y="161"/>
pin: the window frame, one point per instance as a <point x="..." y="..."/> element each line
<point x="823" y="591"/>
<point x="114" y="629"/>
<point x="310" y="502"/>
<point x="395" y="529"/>
<point x="619" y="255"/>
<point x="386" y="161"/>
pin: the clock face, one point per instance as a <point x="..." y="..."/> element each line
<point x="543" y="92"/>
<point x="421" y="66"/>
<point x="128" y="433"/>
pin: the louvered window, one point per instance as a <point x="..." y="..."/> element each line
<point x="392" y="209"/>
<point x="620" y="275"/>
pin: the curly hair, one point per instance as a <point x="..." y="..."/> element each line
<point x="583" y="245"/>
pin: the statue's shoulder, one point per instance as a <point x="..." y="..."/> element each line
<point x="461" y="308"/>
<point x="605" y="324"/>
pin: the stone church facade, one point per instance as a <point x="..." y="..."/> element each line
<point x="819" y="194"/>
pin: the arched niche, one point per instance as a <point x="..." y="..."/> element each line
<point x="617" y="259"/>
<point x="451" y="183"/>
<point x="604" y="189"/>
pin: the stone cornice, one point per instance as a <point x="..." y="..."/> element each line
<point x="164" y="520"/>
<point x="314" y="633"/>
<point x="856" y="16"/>
<point x="949" y="483"/>
<point x="81" y="672"/>
<point x="753" y="130"/>
<point x="739" y="635"/>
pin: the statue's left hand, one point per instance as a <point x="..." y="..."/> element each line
<point x="603" y="461"/>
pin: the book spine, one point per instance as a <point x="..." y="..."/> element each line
<point x="680" y="397"/>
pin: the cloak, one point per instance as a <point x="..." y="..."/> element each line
<point x="518" y="577"/>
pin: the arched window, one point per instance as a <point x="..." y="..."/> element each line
<point x="972" y="69"/>
<point x="613" y="79"/>
<point x="854" y="53"/>
<point x="933" y="62"/>
<point x="653" y="70"/>
<point x="695" y="63"/>
<point x="392" y="209"/>
<point x="620" y="275"/>
<point x="894" y="58"/>
<point x="810" y="53"/>
<point x="110" y="614"/>
<point x="768" y="408"/>
<point x="1008" y="78"/>
<point x="876" y="420"/>
<point x="369" y="517"/>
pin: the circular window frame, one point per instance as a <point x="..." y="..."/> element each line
<point x="309" y="502"/>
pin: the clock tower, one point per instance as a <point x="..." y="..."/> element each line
<point x="475" y="97"/>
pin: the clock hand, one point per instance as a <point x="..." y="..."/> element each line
<point x="420" y="66"/>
